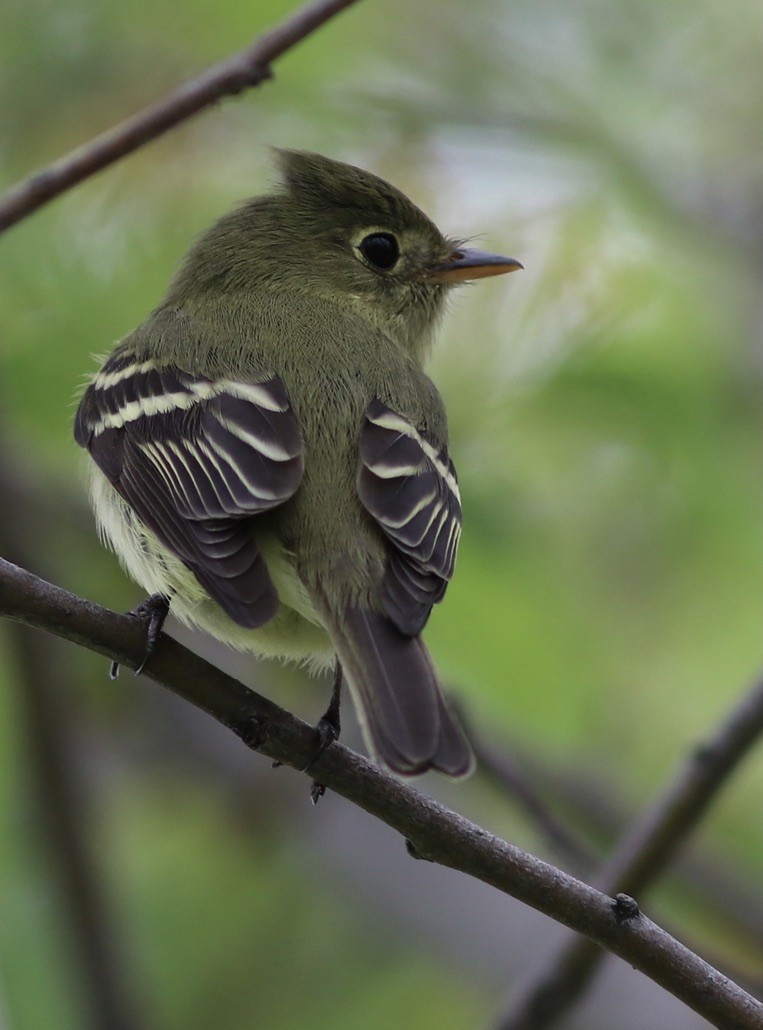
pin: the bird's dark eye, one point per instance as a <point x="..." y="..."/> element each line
<point x="381" y="250"/>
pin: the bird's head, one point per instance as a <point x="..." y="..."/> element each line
<point x="342" y="234"/>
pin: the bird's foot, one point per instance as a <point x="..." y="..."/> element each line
<point x="153" y="611"/>
<point x="327" y="730"/>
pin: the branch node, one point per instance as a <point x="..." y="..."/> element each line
<point x="625" y="908"/>
<point x="248" y="74"/>
<point x="415" y="852"/>
<point x="254" y="731"/>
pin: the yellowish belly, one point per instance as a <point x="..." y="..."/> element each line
<point x="296" y="632"/>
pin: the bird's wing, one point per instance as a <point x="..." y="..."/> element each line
<point x="196" y="458"/>
<point x="410" y="489"/>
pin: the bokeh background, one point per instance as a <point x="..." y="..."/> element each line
<point x="606" y="408"/>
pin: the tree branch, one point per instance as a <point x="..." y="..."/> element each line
<point x="434" y="832"/>
<point x="248" y="68"/>
<point x="641" y="857"/>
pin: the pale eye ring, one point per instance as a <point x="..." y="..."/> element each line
<point x="381" y="250"/>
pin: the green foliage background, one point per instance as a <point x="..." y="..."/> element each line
<point x="606" y="423"/>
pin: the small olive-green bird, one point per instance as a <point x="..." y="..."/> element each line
<point x="269" y="455"/>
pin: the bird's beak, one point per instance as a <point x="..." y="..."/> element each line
<point x="464" y="264"/>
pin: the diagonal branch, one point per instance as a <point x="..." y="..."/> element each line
<point x="434" y="832"/>
<point x="642" y="856"/>
<point x="248" y="68"/>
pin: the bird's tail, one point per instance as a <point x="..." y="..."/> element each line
<point x="405" y="718"/>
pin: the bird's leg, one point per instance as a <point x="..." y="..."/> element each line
<point x="153" y="611"/>
<point x="328" y="729"/>
<point x="330" y="725"/>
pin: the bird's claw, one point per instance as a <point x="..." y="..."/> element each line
<point x="327" y="730"/>
<point x="153" y="611"/>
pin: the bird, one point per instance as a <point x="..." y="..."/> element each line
<point x="270" y="460"/>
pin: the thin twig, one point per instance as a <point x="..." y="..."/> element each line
<point x="641" y="857"/>
<point x="248" y="68"/>
<point x="433" y="832"/>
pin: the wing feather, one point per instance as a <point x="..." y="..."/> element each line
<point x="197" y="459"/>
<point x="410" y="489"/>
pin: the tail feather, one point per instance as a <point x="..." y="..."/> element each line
<point x="454" y="755"/>
<point x="403" y="713"/>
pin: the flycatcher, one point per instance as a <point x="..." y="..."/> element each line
<point x="270" y="457"/>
